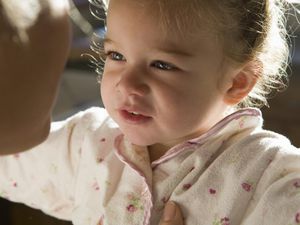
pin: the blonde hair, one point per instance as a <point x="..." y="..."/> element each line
<point x="250" y="30"/>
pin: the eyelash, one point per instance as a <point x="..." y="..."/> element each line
<point x="109" y="54"/>
<point x="161" y="65"/>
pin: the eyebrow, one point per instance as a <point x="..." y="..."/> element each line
<point x="173" y="50"/>
<point x="168" y="48"/>
<point x="107" y="40"/>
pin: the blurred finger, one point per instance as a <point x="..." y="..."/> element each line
<point x="172" y="215"/>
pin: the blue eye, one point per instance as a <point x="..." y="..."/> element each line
<point x="115" y="56"/>
<point x="163" y="65"/>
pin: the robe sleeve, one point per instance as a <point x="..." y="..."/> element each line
<point x="45" y="177"/>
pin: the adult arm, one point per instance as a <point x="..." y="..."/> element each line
<point x="34" y="44"/>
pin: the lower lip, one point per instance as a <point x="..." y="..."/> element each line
<point x="134" y="119"/>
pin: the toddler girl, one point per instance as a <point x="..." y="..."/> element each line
<point x="178" y="78"/>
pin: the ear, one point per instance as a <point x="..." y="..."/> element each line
<point x="242" y="82"/>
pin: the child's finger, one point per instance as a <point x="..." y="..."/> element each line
<point x="172" y="215"/>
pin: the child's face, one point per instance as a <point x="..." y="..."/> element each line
<point x="173" y="81"/>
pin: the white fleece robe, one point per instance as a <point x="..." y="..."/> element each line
<point x="88" y="173"/>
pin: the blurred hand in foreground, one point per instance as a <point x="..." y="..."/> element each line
<point x="34" y="45"/>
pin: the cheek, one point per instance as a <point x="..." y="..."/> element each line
<point x="171" y="106"/>
<point x="106" y="90"/>
<point x="188" y="105"/>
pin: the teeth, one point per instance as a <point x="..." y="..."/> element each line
<point x="134" y="113"/>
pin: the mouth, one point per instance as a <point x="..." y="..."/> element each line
<point x="134" y="117"/>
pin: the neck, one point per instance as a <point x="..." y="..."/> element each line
<point x="157" y="150"/>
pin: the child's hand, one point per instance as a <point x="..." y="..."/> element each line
<point x="172" y="215"/>
<point x="34" y="44"/>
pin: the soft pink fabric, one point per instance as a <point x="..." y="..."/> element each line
<point x="87" y="172"/>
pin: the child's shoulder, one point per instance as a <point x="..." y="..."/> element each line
<point x="268" y="140"/>
<point x="261" y="144"/>
<point x="269" y="146"/>
<point x="287" y="155"/>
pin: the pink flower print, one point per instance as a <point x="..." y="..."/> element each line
<point x="134" y="203"/>
<point x="17" y="156"/>
<point x="297" y="184"/>
<point x="102" y="140"/>
<point x="222" y="221"/>
<point x="225" y="221"/>
<point x="242" y="123"/>
<point x="15" y="184"/>
<point x="165" y="199"/>
<point x="131" y="208"/>
<point x="100" y="160"/>
<point x="212" y="191"/>
<point x="186" y="186"/>
<point x="96" y="186"/>
<point x="270" y="161"/>
<point x="297" y="218"/>
<point x="247" y="187"/>
<point x="59" y="208"/>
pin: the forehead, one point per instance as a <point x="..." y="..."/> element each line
<point x="180" y="16"/>
<point x="148" y="16"/>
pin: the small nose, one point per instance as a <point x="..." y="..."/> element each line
<point x="133" y="82"/>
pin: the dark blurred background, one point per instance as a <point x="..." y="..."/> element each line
<point x="80" y="90"/>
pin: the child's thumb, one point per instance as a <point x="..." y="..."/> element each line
<point x="172" y="215"/>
